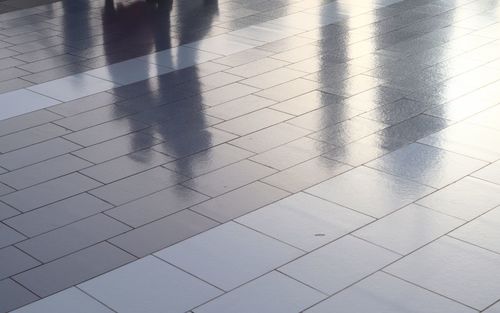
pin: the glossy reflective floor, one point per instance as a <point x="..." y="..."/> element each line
<point x="250" y="156"/>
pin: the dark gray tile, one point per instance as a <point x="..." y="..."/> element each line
<point x="73" y="269"/>
<point x="13" y="295"/>
<point x="4" y="189"/>
<point x="36" y="153"/>
<point x="229" y="178"/>
<point x="396" y="112"/>
<point x="156" y="206"/>
<point x="50" y="63"/>
<point x="57" y="214"/>
<point x="208" y="160"/>
<point x="307" y="174"/>
<point x="163" y="233"/>
<point x="249" y="198"/>
<point x="106" y="131"/>
<point x="190" y="141"/>
<point x="25" y="121"/>
<point x="14" y="84"/>
<point x="30" y="136"/>
<point x="14" y="261"/>
<point x="117" y="147"/>
<point x="416" y="128"/>
<point x="55" y="73"/>
<point x="138" y="185"/>
<point x="84" y="104"/>
<point x="7" y="211"/>
<point x="43" y="171"/>
<point x="8" y="236"/>
<point x="11" y="73"/>
<point x="124" y="166"/>
<point x="348" y="131"/>
<point x="49" y="192"/>
<point x="73" y="237"/>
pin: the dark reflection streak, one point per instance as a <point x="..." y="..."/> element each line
<point x="180" y="124"/>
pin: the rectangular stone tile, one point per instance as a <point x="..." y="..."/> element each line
<point x="158" y="287"/>
<point x="229" y="178"/>
<point x="273" y="78"/>
<point x="106" y="131"/>
<point x="257" y="67"/>
<point x="307" y="174"/>
<point x="273" y="292"/>
<point x="226" y="93"/>
<point x="4" y="189"/>
<point x="254" y="121"/>
<point x="73" y="237"/>
<point x="85" y="104"/>
<point x="163" y="233"/>
<point x="324" y="117"/>
<point x="208" y="160"/>
<point x="49" y="192"/>
<point x="8" y="236"/>
<point x="94" y="117"/>
<point x="412" y="162"/>
<point x="43" y="171"/>
<point x="14" y="295"/>
<point x="69" y="300"/>
<point x="189" y="141"/>
<point x="57" y="214"/>
<point x="156" y="206"/>
<point x="28" y="120"/>
<point x="138" y="185"/>
<point x="30" y="136"/>
<point x="448" y="267"/>
<point x="288" y="90"/>
<point x="348" y="131"/>
<point x="14" y="84"/>
<point x="416" y="128"/>
<point x="243" y="57"/>
<point x="117" y="147"/>
<point x="14" y="261"/>
<point x="65" y="89"/>
<point x="307" y="102"/>
<point x="50" y="63"/>
<point x="37" y="153"/>
<point x="239" y="107"/>
<point x="124" y="166"/>
<point x="7" y="211"/>
<point x="249" y="198"/>
<point x="292" y="153"/>
<point x="337" y="265"/>
<point x="388" y="294"/>
<point x="270" y="137"/>
<point x="73" y="269"/>
<point x="219" y="265"/>
<point x="402" y="232"/>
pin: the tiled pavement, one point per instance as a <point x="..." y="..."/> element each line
<point x="250" y="156"/>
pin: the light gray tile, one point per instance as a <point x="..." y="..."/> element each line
<point x="490" y="173"/>
<point x="254" y="121"/>
<point x="382" y="293"/>
<point x="408" y="229"/>
<point x="466" y="199"/>
<point x="370" y="191"/>
<point x="128" y="72"/>
<point x="307" y="222"/>
<point x="23" y="101"/>
<point x="219" y="265"/>
<point x="157" y="287"/>
<point x="455" y="269"/>
<point x="339" y="264"/>
<point x="273" y="292"/>
<point x="239" y="107"/>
